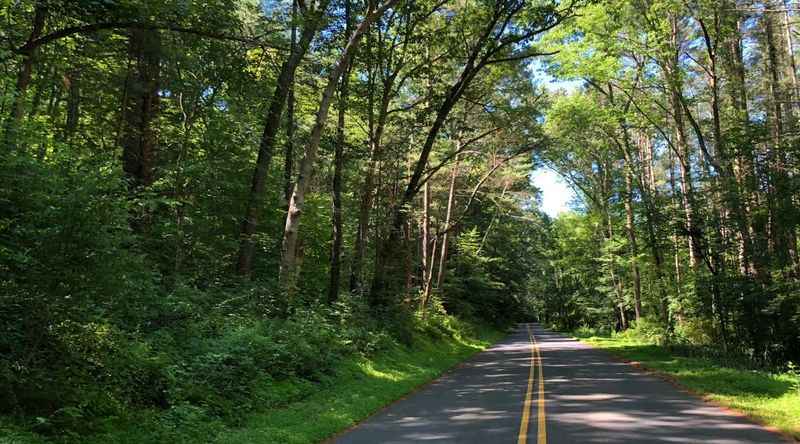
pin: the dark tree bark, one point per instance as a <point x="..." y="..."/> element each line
<point x="338" y="165"/>
<point x="288" y="154"/>
<point x="140" y="108"/>
<point x="73" y="102"/>
<point x="297" y="201"/>
<point x="24" y="76"/>
<point x="272" y="122"/>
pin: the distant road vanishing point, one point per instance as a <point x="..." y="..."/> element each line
<point x="540" y="387"/>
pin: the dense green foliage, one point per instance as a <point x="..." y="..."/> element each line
<point x="156" y="159"/>
<point x="210" y="208"/>
<point x="681" y="146"/>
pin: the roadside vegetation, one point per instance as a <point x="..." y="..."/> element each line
<point x="680" y="147"/>
<point x="770" y="397"/>
<point x="211" y="210"/>
<point x="337" y="381"/>
<point x="213" y="214"/>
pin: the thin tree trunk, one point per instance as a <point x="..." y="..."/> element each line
<point x="338" y="165"/>
<point x="649" y="195"/>
<point x="271" y="126"/>
<point x="448" y="217"/>
<point x="675" y="237"/>
<point x="24" y="77"/>
<point x="297" y="201"/>
<point x="616" y="281"/>
<point x="409" y="269"/>
<point x="426" y="292"/>
<point x="426" y="228"/>
<point x="634" y="249"/>
<point x="288" y="154"/>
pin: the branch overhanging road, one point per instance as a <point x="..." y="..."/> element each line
<point x="540" y="387"/>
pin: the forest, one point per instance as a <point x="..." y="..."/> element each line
<point x="207" y="207"/>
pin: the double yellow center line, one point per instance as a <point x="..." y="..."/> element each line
<point x="536" y="361"/>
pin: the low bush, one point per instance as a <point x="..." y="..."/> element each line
<point x="647" y="330"/>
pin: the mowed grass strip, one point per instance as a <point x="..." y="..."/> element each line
<point x="770" y="398"/>
<point x="360" y="388"/>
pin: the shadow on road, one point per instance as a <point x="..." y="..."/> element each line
<point x="590" y="398"/>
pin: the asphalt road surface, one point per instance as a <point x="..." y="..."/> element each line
<point x="498" y="396"/>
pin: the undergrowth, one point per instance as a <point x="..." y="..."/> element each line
<point x="223" y="378"/>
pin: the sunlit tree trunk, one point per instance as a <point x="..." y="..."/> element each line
<point x="288" y="154"/>
<point x="634" y="249"/>
<point x="297" y="201"/>
<point x="338" y="165"/>
<point x="312" y="21"/>
<point x="447" y="222"/>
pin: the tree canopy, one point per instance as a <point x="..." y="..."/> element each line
<point x="195" y="196"/>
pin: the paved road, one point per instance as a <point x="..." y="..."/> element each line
<point x="585" y="397"/>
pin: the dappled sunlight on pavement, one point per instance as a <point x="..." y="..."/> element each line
<point x="589" y="398"/>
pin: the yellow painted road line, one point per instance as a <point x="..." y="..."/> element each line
<point x="522" y="438"/>
<point x="541" y="437"/>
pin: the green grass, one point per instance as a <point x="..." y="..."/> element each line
<point x="773" y="399"/>
<point x="294" y="410"/>
<point x="361" y="387"/>
<point x="290" y="411"/>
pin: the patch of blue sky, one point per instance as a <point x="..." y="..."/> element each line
<point x="541" y="76"/>
<point x="556" y="196"/>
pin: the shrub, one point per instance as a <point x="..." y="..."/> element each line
<point x="647" y="330"/>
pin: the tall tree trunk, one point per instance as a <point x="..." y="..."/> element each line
<point x="634" y="249"/>
<point x="297" y="201"/>
<point x="675" y="87"/>
<point x="426" y="288"/>
<point x="447" y="220"/>
<point x="408" y="260"/>
<point x="426" y="228"/>
<point x="312" y="21"/>
<point x="141" y="108"/>
<point x="24" y="77"/>
<point x="338" y="165"/>
<point x="742" y="158"/>
<point x="675" y="237"/>
<point x="288" y="154"/>
<point x="781" y="223"/>
<point x="73" y="102"/>
<point x="616" y="281"/>
<point x="649" y="196"/>
<point x="365" y="201"/>
<point x="791" y="66"/>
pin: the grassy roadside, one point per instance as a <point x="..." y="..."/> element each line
<point x="293" y="411"/>
<point x="772" y="399"/>
<point x="361" y="387"/>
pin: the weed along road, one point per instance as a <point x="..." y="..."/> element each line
<point x="540" y="387"/>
